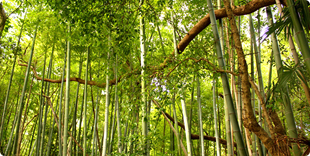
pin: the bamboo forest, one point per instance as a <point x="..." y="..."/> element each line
<point x="154" y="77"/>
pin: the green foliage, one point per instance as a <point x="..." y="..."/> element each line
<point x="92" y="22"/>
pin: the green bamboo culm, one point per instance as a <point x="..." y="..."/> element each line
<point x="259" y="73"/>
<point x="119" y="132"/>
<point x="47" y="90"/>
<point x="257" y="54"/>
<point x="10" y="82"/>
<point x="257" y="59"/>
<point x="300" y="33"/>
<point x="217" y="137"/>
<point x="176" y="124"/>
<point x="201" y="138"/>
<point x="107" y="103"/>
<point x="80" y="125"/>
<point x="227" y="93"/>
<point x="60" y="107"/>
<point x="40" y="135"/>
<point x="85" y="104"/>
<point x="292" y="131"/>
<point x="21" y="101"/>
<point x="66" y="117"/>
<point x="94" y="149"/>
<point x="73" y="148"/>
<point x="259" y="142"/>
<point x="143" y="92"/>
<point x="252" y="96"/>
<point x="186" y="123"/>
<point x="49" y="76"/>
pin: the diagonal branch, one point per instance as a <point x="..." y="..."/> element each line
<point x="221" y="13"/>
<point x="16" y="9"/>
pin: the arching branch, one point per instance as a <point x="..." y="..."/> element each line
<point x="221" y="13"/>
<point x="92" y="83"/>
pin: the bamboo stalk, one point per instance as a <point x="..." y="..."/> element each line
<point x="85" y="104"/>
<point x="284" y="91"/>
<point x="228" y="97"/>
<point x="10" y="82"/>
<point x="202" y="149"/>
<point x="60" y="108"/>
<point x="66" y="117"/>
<point x="186" y="124"/>
<point x="106" y="118"/>
<point x="21" y="101"/>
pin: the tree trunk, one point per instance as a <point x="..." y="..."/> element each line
<point x="248" y="118"/>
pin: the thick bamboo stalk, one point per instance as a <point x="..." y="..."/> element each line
<point x="234" y="91"/>
<point x="227" y="93"/>
<point x="301" y="36"/>
<point x="107" y="103"/>
<point x="292" y="131"/>
<point x="186" y="124"/>
<point x="143" y="87"/>
<point x="304" y="84"/>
